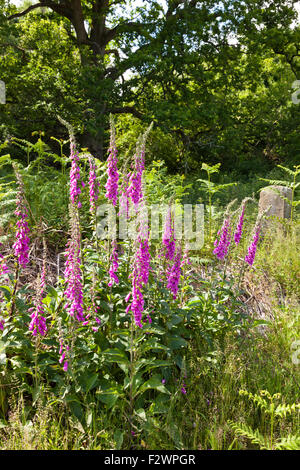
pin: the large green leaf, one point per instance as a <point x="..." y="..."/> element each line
<point x="154" y="383"/>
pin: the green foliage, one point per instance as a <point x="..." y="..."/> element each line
<point x="212" y="188"/>
<point x="267" y="404"/>
<point x="211" y="99"/>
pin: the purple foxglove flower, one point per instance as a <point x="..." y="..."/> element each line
<point x="168" y="240"/>
<point x="21" y="245"/>
<point x="143" y="260"/>
<point x="135" y="190"/>
<point x="112" y="169"/>
<point x="38" y="321"/>
<point x="93" y="185"/>
<point x="114" y="265"/>
<point x="183" y="389"/>
<point x="185" y="258"/>
<point x="173" y="274"/>
<point x="75" y="190"/>
<point x="73" y="274"/>
<point x="239" y="228"/>
<point x="249" y="258"/>
<point x="140" y="276"/>
<point x="3" y="266"/>
<point x="63" y="354"/>
<point x="222" y="245"/>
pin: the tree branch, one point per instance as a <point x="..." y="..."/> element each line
<point x="32" y="7"/>
<point x="127" y="110"/>
<point x="125" y="28"/>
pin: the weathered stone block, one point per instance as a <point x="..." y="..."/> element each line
<point x="271" y="197"/>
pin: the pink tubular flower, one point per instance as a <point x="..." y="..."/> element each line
<point x="168" y="240"/>
<point x="135" y="186"/>
<point x="140" y="277"/>
<point x="21" y="245"/>
<point x="143" y="260"/>
<point x="222" y="245"/>
<point x="174" y="273"/>
<point x="112" y="169"/>
<point x="135" y="190"/>
<point x="137" y="303"/>
<point x="93" y="185"/>
<point x="3" y="266"/>
<point x="185" y="258"/>
<point x="75" y="176"/>
<point x="73" y="274"/>
<point x="114" y="265"/>
<point x="2" y="321"/>
<point x="239" y="228"/>
<point x="63" y="354"/>
<point x="183" y="389"/>
<point x="249" y="258"/>
<point x="38" y="321"/>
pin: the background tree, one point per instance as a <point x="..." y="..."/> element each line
<point x="215" y="76"/>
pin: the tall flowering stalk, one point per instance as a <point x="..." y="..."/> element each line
<point x="63" y="351"/>
<point x="112" y="167"/>
<point x="75" y="183"/>
<point x="135" y="190"/>
<point x="223" y="240"/>
<point x="239" y="228"/>
<point x="21" y="245"/>
<point x="168" y="239"/>
<point x="141" y="266"/>
<point x="114" y="264"/>
<point x="135" y="180"/>
<point x="174" y="273"/>
<point x="73" y="274"/>
<point x="38" y="321"/>
<point x="137" y="299"/>
<point x="185" y="259"/>
<point x="222" y="244"/>
<point x="93" y="185"/>
<point x="249" y="258"/>
<point x="139" y="278"/>
<point x="143" y="254"/>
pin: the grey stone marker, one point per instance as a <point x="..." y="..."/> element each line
<point x="2" y="93"/>
<point x="272" y="202"/>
